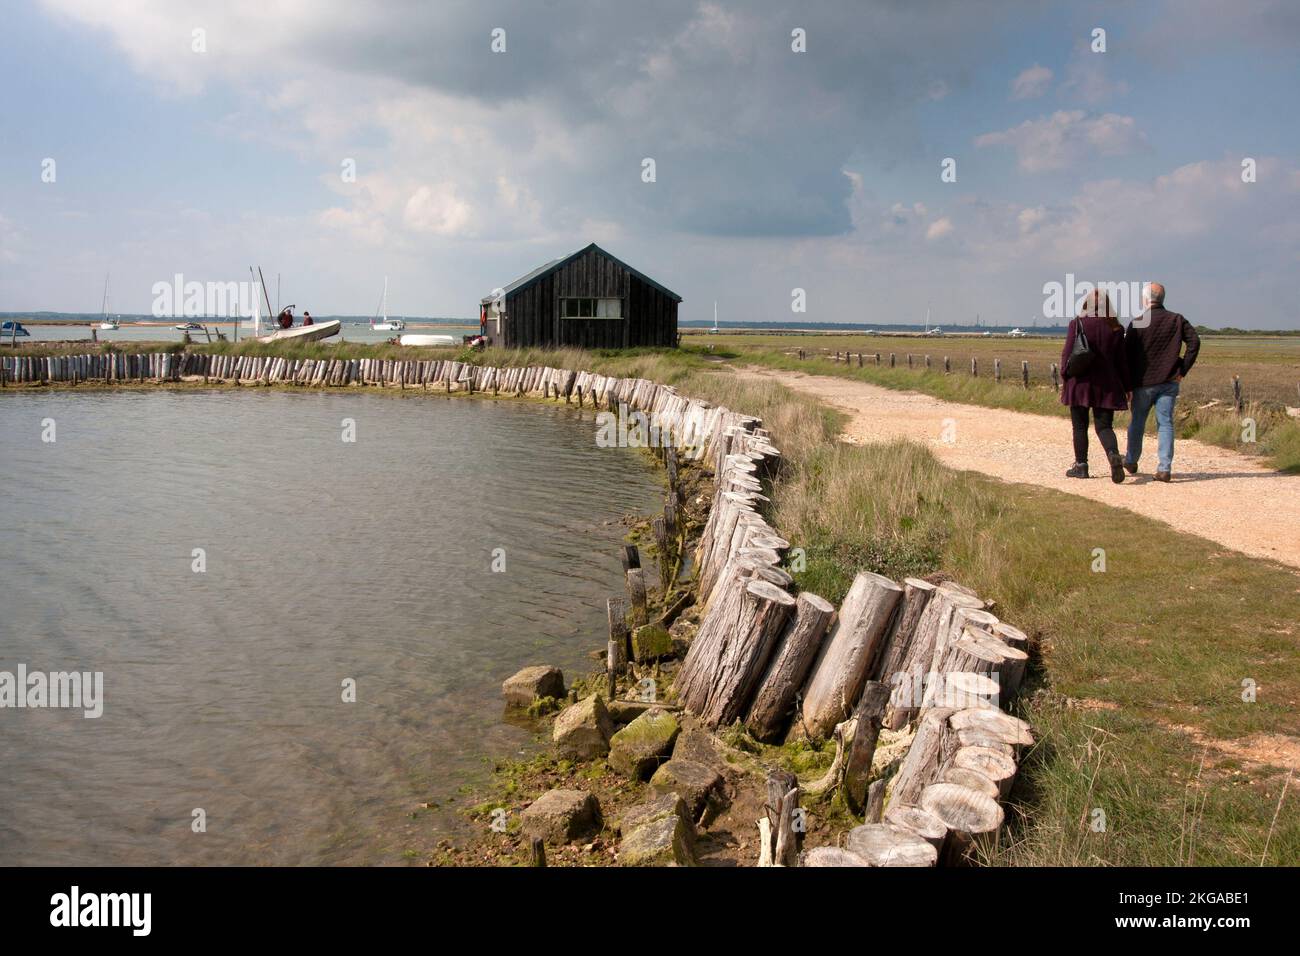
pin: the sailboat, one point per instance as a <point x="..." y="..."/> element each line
<point x="302" y="333"/>
<point x="105" y="323"/>
<point x="386" y="324"/>
<point x="714" y="330"/>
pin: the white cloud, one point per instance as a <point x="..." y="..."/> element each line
<point x="1031" y="83"/>
<point x="939" y="228"/>
<point x="437" y="209"/>
<point x="1065" y="137"/>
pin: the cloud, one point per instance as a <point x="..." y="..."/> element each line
<point x="1031" y="83"/>
<point x="939" y="228"/>
<point x="750" y="137"/>
<point x="1066" y="137"/>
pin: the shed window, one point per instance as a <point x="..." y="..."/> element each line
<point x="591" y="308"/>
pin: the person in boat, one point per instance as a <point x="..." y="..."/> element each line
<point x="306" y="318"/>
<point x="285" y="318"/>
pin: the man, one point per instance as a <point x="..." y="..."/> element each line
<point x="1157" y="364"/>
<point x="307" y="319"/>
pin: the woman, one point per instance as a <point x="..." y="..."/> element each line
<point x="1104" y="387"/>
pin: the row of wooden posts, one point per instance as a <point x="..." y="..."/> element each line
<point x="848" y="358"/>
<point x="923" y="654"/>
<point x="919" y="653"/>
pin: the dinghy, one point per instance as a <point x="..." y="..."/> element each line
<point x="304" y="333"/>
<point x="418" y="339"/>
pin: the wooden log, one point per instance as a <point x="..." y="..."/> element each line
<point x="911" y="680"/>
<point x="972" y="818"/>
<point x="997" y="767"/>
<point x="744" y="657"/>
<point x="849" y="652"/>
<point x="882" y="844"/>
<point x="636" y="591"/>
<point x="959" y="690"/>
<point x="925" y="825"/>
<point x="893" y="657"/>
<point x="924" y="759"/>
<point x="868" y="716"/>
<point x="997" y="723"/>
<point x="630" y="556"/>
<point x="978" y="738"/>
<point x="965" y="777"/>
<point x="774" y="703"/>
<point x="782" y="800"/>
<point x="537" y="852"/>
<point x="831" y="856"/>
<point x="875" y="802"/>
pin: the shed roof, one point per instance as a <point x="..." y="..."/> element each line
<point x="544" y="270"/>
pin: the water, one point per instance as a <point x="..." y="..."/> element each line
<point x="325" y="561"/>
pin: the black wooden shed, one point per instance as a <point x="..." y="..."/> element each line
<point x="588" y="299"/>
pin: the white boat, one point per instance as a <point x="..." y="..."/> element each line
<point x="304" y="333"/>
<point x="1017" y="333"/>
<point x="419" y="339"/>
<point x="105" y="323"/>
<point x="385" y="324"/>
<point x="188" y="327"/>
<point x="714" y="330"/>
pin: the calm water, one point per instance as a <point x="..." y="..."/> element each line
<point x="325" y="561"/>
<point x="350" y="332"/>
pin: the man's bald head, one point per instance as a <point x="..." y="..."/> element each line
<point x="1153" y="294"/>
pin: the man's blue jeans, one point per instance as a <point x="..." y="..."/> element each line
<point x="1162" y="398"/>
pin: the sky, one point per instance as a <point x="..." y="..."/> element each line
<point x="795" y="146"/>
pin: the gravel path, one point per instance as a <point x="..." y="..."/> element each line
<point x="1216" y="494"/>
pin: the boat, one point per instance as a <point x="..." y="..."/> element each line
<point x="385" y="324"/>
<point x="188" y="327"/>
<point x="1017" y="333"/>
<point x="105" y="323"/>
<point x="714" y="330"/>
<point x="13" y="328"/>
<point x="420" y="339"/>
<point x="304" y="333"/>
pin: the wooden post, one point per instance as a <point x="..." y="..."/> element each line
<point x="892" y="358"/>
<point x="857" y="769"/>
<point x="1236" y="392"/>
<point x="794" y="655"/>
<point x="782" y="801"/>
<point x="616" y="612"/>
<point x="1056" y="377"/>
<point x="875" y="802"/>
<point x="537" y="852"/>
<point x="801" y="356"/>
<point x="974" y="366"/>
<point x="630" y="557"/>
<point x="947" y="365"/>
<point x="636" y="591"/>
<point x="997" y="370"/>
<point x="859" y="360"/>
<point x="877" y="358"/>
<point x="1024" y="374"/>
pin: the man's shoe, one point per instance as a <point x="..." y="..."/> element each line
<point x="1164" y="476"/>
<point x="1131" y="469"/>
<point x="1116" y="469"/>
<point x="1078" y="471"/>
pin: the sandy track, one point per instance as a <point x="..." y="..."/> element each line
<point x="1216" y="494"/>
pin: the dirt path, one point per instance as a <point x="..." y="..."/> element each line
<point x="1216" y="494"/>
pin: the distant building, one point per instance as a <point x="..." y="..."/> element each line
<point x="588" y="300"/>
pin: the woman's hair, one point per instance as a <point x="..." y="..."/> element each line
<point x="1097" y="304"/>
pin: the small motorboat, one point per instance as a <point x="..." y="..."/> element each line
<point x="188" y="327"/>
<point x="304" y="333"/>
<point x="13" y="328"/>
<point x="421" y="339"/>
